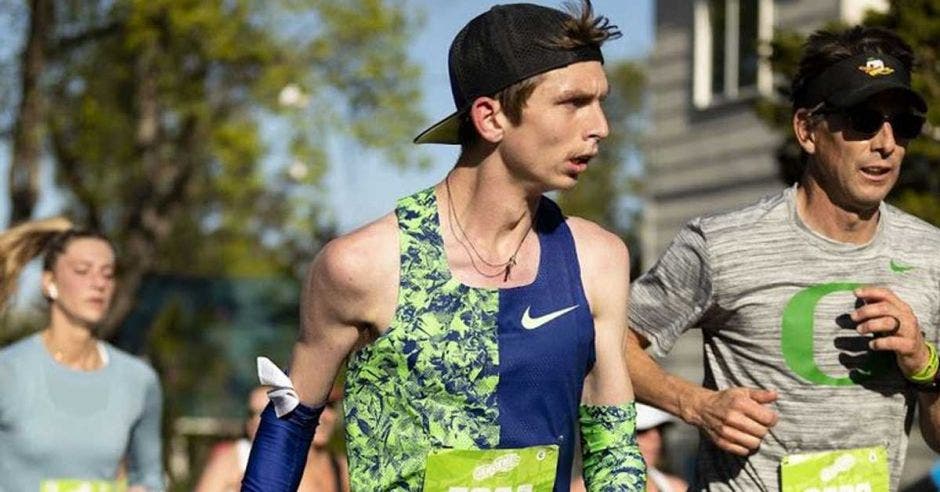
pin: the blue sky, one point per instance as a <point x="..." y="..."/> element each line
<point x="366" y="188"/>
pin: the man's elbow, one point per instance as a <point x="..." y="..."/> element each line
<point x="635" y="340"/>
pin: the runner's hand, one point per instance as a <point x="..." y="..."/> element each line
<point x="737" y="419"/>
<point x="895" y="327"/>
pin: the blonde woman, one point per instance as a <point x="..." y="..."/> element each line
<point x="74" y="410"/>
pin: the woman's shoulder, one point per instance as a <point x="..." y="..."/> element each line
<point x="130" y="365"/>
<point x="17" y="370"/>
<point x="20" y="350"/>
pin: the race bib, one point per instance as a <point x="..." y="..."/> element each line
<point x="846" y="470"/>
<point x="491" y="470"/>
<point x="71" y="485"/>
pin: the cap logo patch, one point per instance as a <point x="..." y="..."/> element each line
<point x="875" y="67"/>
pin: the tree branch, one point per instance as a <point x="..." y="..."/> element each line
<point x="70" y="168"/>
<point x="27" y="130"/>
<point x="65" y="44"/>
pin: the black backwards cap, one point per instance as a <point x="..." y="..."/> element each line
<point x="855" y="79"/>
<point x="499" y="48"/>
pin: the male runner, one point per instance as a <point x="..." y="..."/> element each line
<point x="482" y="327"/>
<point x="818" y="306"/>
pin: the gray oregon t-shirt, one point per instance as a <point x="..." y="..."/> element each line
<point x="772" y="298"/>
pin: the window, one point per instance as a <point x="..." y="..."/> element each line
<point x="730" y="39"/>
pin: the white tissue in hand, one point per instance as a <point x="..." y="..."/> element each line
<point x="282" y="394"/>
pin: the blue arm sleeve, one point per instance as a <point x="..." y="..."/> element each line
<point x="279" y="450"/>
<point x="145" y="461"/>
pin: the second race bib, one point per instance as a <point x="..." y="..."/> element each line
<point x="856" y="470"/>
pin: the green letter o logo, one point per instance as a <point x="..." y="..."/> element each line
<point x="796" y="338"/>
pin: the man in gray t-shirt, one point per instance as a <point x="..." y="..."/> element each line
<point x="819" y="307"/>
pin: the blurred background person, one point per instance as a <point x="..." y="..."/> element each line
<point x="226" y="465"/>
<point x="325" y="471"/>
<point x="73" y="408"/>
<point x="650" y="424"/>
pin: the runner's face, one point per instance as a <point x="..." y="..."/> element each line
<point x="83" y="279"/>
<point x="561" y="126"/>
<point x="327" y="425"/>
<point x="257" y="400"/>
<point x="858" y="170"/>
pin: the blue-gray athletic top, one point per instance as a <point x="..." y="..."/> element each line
<point x="60" y="424"/>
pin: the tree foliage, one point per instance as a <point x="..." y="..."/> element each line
<point x="918" y="23"/>
<point x="196" y="132"/>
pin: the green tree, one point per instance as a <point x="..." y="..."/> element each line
<point x="196" y="132"/>
<point x="598" y="195"/>
<point x="918" y="23"/>
<point x="27" y="131"/>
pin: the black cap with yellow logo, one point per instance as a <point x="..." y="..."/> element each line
<point x="857" y="78"/>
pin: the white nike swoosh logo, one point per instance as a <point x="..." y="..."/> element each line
<point x="530" y="323"/>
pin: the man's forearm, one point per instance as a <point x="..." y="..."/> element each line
<point x="279" y="450"/>
<point x="930" y="419"/>
<point x="654" y="386"/>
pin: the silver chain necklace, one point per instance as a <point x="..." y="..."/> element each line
<point x="505" y="268"/>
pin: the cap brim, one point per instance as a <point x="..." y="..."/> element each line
<point x="445" y="131"/>
<point x="851" y="98"/>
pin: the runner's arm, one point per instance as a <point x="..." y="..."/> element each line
<point x="611" y="456"/>
<point x="735" y="419"/>
<point x="675" y="295"/>
<point x="930" y="419"/>
<point x="336" y="309"/>
<point x="331" y="317"/>
<point x="898" y="330"/>
<point x="605" y="272"/>
<point x="145" y="452"/>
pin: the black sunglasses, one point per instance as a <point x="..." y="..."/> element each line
<point x="868" y="121"/>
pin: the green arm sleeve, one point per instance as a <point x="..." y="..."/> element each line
<point x="612" y="459"/>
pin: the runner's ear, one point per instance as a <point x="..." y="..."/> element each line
<point x="803" y="130"/>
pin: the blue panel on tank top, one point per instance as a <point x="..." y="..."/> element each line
<point x="542" y="368"/>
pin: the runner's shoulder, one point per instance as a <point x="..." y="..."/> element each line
<point x="357" y="262"/>
<point x="595" y="236"/>
<point x="133" y="367"/>
<point x="915" y="226"/>
<point x="769" y="210"/>
<point x="597" y="247"/>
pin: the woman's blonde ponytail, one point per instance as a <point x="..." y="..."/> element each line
<point x="21" y="244"/>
